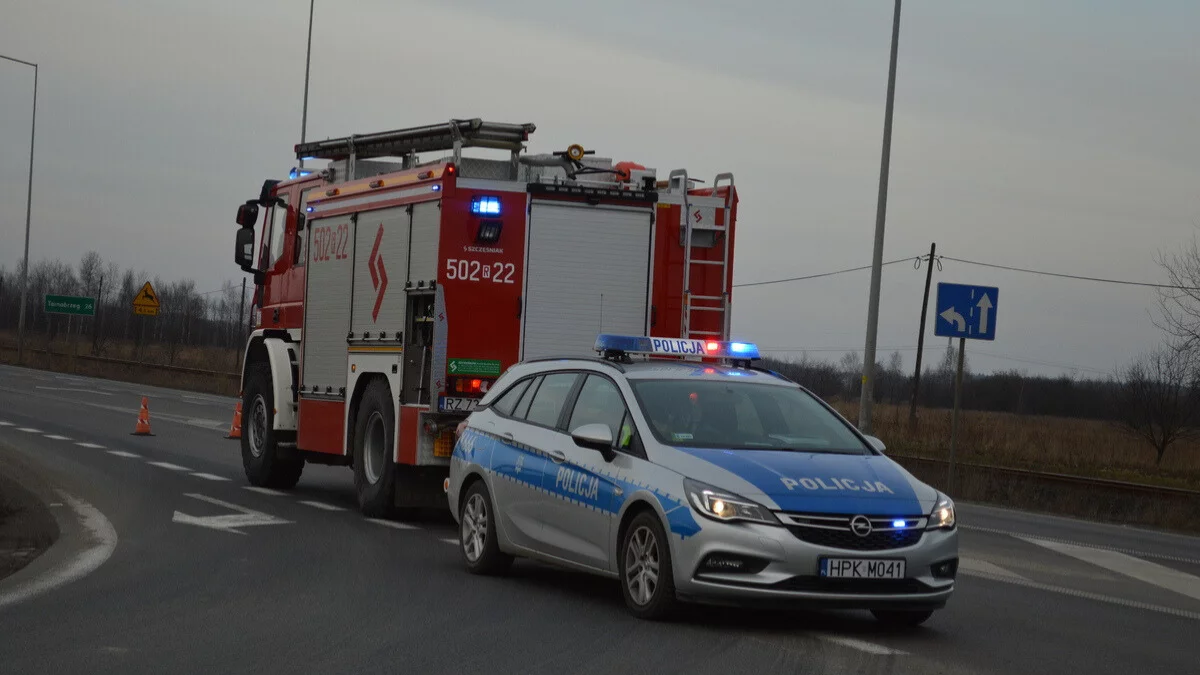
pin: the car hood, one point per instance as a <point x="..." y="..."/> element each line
<point x="808" y="482"/>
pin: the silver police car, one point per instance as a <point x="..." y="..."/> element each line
<point x="696" y="481"/>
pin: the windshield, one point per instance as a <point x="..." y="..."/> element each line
<point x="742" y="416"/>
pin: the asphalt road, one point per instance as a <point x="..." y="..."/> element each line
<point x="306" y="584"/>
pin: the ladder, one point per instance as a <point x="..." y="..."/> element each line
<point x="678" y="179"/>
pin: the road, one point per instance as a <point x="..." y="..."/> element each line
<point x="306" y="584"/>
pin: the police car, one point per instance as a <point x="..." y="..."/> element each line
<point x="690" y="475"/>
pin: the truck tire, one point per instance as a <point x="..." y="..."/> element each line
<point x="260" y="450"/>
<point x="374" y="449"/>
<point x="644" y="561"/>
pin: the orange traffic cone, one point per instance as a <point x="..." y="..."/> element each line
<point x="235" y="429"/>
<point x="143" y="420"/>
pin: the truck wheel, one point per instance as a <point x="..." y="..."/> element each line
<point x="374" y="448"/>
<point x="647" y="580"/>
<point x="263" y="466"/>
<point x="477" y="533"/>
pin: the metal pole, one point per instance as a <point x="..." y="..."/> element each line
<point x="962" y="350"/>
<point x="307" y="61"/>
<point x="868" y="378"/>
<point x="28" y="211"/>
<point x="912" y="408"/>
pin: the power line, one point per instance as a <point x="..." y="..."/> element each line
<point x="1069" y="276"/>
<point x="823" y="274"/>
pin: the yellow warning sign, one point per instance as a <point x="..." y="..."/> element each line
<point x="146" y="301"/>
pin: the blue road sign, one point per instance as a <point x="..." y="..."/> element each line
<point x="966" y="311"/>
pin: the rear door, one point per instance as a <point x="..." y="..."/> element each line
<point x="587" y="272"/>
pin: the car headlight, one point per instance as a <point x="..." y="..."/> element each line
<point x="942" y="517"/>
<point x="720" y="504"/>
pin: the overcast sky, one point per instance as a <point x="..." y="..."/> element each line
<point x="1055" y="136"/>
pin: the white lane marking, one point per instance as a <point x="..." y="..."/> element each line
<point x="30" y="430"/>
<point x="392" y="524"/>
<point x="264" y="491"/>
<point x="5" y="424"/>
<point x="985" y="567"/>
<point x="84" y="391"/>
<point x="56" y="438"/>
<point x="1130" y="551"/>
<point x="122" y="453"/>
<point x="447" y="540"/>
<point x="229" y="522"/>
<point x="322" y="505"/>
<point x="169" y="466"/>
<point x="209" y="476"/>
<point x="1151" y="573"/>
<point x="101" y="541"/>
<point x="1062" y="590"/>
<point x="861" y="645"/>
<point x="93" y="446"/>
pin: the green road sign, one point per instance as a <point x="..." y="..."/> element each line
<point x="70" y="304"/>
<point x="473" y="367"/>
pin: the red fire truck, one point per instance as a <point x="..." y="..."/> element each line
<point x="398" y="281"/>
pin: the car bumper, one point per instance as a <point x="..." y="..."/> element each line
<point x="790" y="570"/>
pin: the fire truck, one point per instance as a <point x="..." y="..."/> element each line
<point x="395" y="283"/>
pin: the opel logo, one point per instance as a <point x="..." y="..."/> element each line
<point x="860" y="525"/>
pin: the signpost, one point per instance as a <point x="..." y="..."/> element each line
<point x="967" y="313"/>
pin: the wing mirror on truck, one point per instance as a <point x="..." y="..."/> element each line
<point x="243" y="253"/>
<point x="247" y="214"/>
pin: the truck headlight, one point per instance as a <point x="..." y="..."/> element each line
<point x="942" y="517"/>
<point x="723" y="505"/>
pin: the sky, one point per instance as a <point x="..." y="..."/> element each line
<point x="1053" y="136"/>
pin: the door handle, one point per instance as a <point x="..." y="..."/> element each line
<point x="557" y="456"/>
<point x="508" y="435"/>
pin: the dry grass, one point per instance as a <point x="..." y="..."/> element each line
<point x="1073" y="446"/>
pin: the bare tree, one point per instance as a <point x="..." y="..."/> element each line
<point x="1157" y="398"/>
<point x="1179" y="306"/>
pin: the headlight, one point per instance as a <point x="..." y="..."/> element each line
<point x="942" y="517"/>
<point x="722" y="505"/>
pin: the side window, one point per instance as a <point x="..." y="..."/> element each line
<point x="279" y="215"/>
<point x="547" y="402"/>
<point x="509" y="399"/>
<point x="522" y="408"/>
<point x="629" y="441"/>
<point x="599" y="402"/>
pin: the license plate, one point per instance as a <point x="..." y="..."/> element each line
<point x="449" y="404"/>
<point x="858" y="568"/>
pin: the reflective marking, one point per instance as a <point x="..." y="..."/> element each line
<point x="1033" y="537"/>
<point x="392" y="524"/>
<point x="93" y="446"/>
<point x="322" y="505"/>
<point x="209" y="476"/>
<point x="122" y="453"/>
<point x="30" y="430"/>
<point x="169" y="466"/>
<point x="5" y="424"/>
<point x="985" y="567"/>
<point x="448" y="541"/>
<point x="1182" y="613"/>
<point x="861" y="645"/>
<point x="264" y="491"/>
<point x="56" y="438"/>
<point x="1151" y="573"/>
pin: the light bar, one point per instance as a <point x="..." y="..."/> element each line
<point x="634" y="344"/>
<point x="486" y="206"/>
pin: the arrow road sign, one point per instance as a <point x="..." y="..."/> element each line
<point x="227" y="523"/>
<point x="966" y="311"/>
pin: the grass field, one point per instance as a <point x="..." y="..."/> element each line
<point x="1079" y="447"/>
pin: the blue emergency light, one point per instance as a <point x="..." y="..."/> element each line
<point x="485" y="206"/>
<point x="634" y="344"/>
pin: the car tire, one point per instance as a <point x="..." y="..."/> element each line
<point x="260" y="448"/>
<point x="374" y="450"/>
<point x="477" y="538"/>
<point x="644" y="561"/>
<point x="902" y="618"/>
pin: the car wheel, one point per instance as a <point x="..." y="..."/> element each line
<point x="898" y="618"/>
<point x="647" y="580"/>
<point x="477" y="533"/>
<point x="374" y="448"/>
<point x="260" y="460"/>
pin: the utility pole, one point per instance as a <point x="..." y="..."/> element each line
<point x="307" y="61"/>
<point x="912" y="408"/>
<point x="28" y="211"/>
<point x="866" y="401"/>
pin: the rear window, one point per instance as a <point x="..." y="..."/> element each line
<point x="742" y="416"/>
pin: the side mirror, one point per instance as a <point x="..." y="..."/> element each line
<point x="595" y="437"/>
<point x="243" y="251"/>
<point x="247" y="214"/>
<point x="876" y="443"/>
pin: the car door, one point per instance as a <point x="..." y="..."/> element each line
<point x="578" y="520"/>
<point x="516" y="472"/>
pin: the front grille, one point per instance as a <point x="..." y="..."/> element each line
<point x="878" y="540"/>
<point x="851" y="586"/>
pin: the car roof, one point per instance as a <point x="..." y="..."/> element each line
<point x="660" y="369"/>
